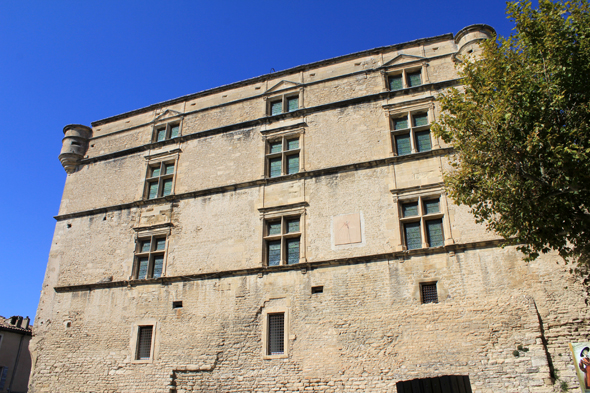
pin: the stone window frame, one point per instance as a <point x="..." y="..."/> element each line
<point x="419" y="195"/>
<point x="270" y="136"/>
<point x="405" y="70"/>
<point x="422" y="217"/>
<point x="409" y="110"/>
<point x="155" y="161"/>
<point x="166" y="125"/>
<point x="283" y="213"/>
<point x="134" y="341"/>
<point x="265" y="331"/>
<point x="284" y="100"/>
<point x="152" y="234"/>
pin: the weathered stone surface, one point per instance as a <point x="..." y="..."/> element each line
<point x="367" y="328"/>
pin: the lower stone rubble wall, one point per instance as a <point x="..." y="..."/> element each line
<point x="504" y="323"/>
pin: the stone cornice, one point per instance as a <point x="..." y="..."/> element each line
<point x="259" y="182"/>
<point x="304" y="267"/>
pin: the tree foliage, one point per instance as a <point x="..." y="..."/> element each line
<point x="520" y="127"/>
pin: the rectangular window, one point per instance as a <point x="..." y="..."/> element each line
<point x="166" y="131"/>
<point x="282" y="238"/>
<point x="414" y="79"/>
<point x="149" y="257"/>
<point x="396" y="82"/>
<point x="282" y="156"/>
<point x="283" y="104"/>
<point x="429" y="293"/>
<point x="411" y="133"/>
<point x="276" y="107"/>
<point x="276" y="334"/>
<point x="404" y="79"/>
<point x="159" y="180"/>
<point x="144" y="343"/>
<point x="422" y="219"/>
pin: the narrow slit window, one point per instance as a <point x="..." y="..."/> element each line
<point x="144" y="343"/>
<point x="276" y="334"/>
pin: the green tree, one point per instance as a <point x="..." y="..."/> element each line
<point x="520" y="128"/>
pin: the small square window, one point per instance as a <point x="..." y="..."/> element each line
<point x="166" y="131"/>
<point x="282" y="156"/>
<point x="429" y="293"/>
<point x="144" y="343"/>
<point x="318" y="289"/>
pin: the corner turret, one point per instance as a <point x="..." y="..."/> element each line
<point x="74" y="146"/>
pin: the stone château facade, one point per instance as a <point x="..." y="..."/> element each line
<point x="291" y="233"/>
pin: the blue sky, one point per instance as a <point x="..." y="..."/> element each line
<point x="64" y="62"/>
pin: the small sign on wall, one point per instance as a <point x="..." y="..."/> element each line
<point x="581" y="356"/>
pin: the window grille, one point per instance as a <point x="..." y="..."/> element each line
<point x="276" y="334"/>
<point x="144" y="342"/>
<point x="429" y="293"/>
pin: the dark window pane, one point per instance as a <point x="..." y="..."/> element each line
<point x="174" y="131"/>
<point x="274" y="228"/>
<point x="409" y="209"/>
<point x="434" y="233"/>
<point x="420" y="119"/>
<point x="395" y="82"/>
<point x="292" y="251"/>
<point x="160" y="244"/>
<point x="429" y="293"/>
<point x="275" y="166"/>
<point x="274" y="253"/>
<point x="414" y="79"/>
<point x="431" y="206"/>
<point x="155" y="171"/>
<point x="161" y="134"/>
<point x="400" y="124"/>
<point x="293" y="144"/>
<point x="292" y="164"/>
<point x="168" y="169"/>
<point x="292" y="104"/>
<point x="145" y="246"/>
<point x="403" y="145"/>
<point x="142" y="268"/>
<point x="276" y="334"/>
<point x="276" y="147"/>
<point x="423" y="141"/>
<point x="276" y="107"/>
<point x="153" y="190"/>
<point x="144" y="342"/>
<point x="167" y="188"/>
<point x="158" y="263"/>
<point x="413" y="238"/>
<point x="293" y="226"/>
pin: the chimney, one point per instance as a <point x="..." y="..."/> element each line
<point x="19" y="321"/>
<point x="26" y="321"/>
<point x="13" y="320"/>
